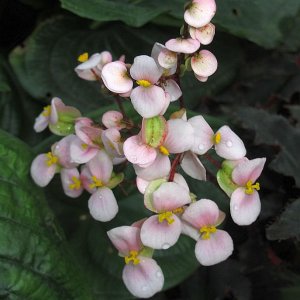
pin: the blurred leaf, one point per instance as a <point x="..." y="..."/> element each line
<point x="275" y="130"/>
<point x="35" y="262"/>
<point x="288" y="224"/>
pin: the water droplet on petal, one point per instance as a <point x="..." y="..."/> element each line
<point x="235" y="207"/>
<point x="166" y="246"/>
<point x="201" y="146"/>
<point x="100" y="197"/>
<point x="229" y="144"/>
<point x="144" y="288"/>
<point x="133" y="158"/>
<point x="57" y="147"/>
<point x="158" y="274"/>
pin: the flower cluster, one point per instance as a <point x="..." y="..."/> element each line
<point x="86" y="155"/>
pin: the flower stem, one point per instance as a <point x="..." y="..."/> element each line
<point x="174" y="165"/>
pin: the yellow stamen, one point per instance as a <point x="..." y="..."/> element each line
<point x="83" y="57"/>
<point x="132" y="257"/>
<point x="206" y="231"/>
<point x="84" y="146"/>
<point x="51" y="159"/>
<point x="217" y="138"/>
<point x="47" y="111"/>
<point x="96" y="182"/>
<point x="251" y="187"/>
<point x="76" y="185"/>
<point x="178" y="210"/>
<point x="168" y="216"/>
<point x="163" y="150"/>
<point x="144" y="83"/>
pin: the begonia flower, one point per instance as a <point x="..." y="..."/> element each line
<point x="91" y="67"/>
<point x="113" y="119"/>
<point x="213" y="245"/>
<point x="180" y="45"/>
<point x="204" y="34"/>
<point x="199" y="12"/>
<point x="71" y="182"/>
<point x="226" y="143"/>
<point x="245" y="203"/>
<point x="95" y="178"/>
<point x="204" y="64"/>
<point x="161" y="231"/>
<point x="141" y="274"/>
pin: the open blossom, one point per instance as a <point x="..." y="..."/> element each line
<point x="199" y="12"/>
<point x="91" y="67"/>
<point x="162" y="230"/>
<point x="226" y="143"/>
<point x="71" y="182"/>
<point x="141" y="274"/>
<point x="142" y="149"/>
<point x="95" y="178"/>
<point x="213" y="245"/>
<point x="58" y="116"/>
<point x="245" y="203"/>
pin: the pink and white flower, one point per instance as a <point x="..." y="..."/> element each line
<point x="95" y="178"/>
<point x="200" y="12"/>
<point x="204" y="34"/>
<point x="245" y="203"/>
<point x="141" y="274"/>
<point x="180" y="45"/>
<point x="213" y="245"/>
<point x="113" y="119"/>
<point x="71" y="182"/>
<point x="226" y="143"/>
<point x="162" y="230"/>
<point x="204" y="64"/>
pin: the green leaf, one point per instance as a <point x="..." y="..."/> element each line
<point x="275" y="130"/>
<point x="35" y="261"/>
<point x="288" y="224"/>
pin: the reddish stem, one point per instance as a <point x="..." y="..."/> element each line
<point x="216" y="163"/>
<point x="175" y="163"/>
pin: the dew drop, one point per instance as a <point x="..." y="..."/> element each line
<point x="235" y="207"/>
<point x="57" y="147"/>
<point x="201" y="146"/>
<point x="229" y="144"/>
<point x="144" y="288"/>
<point x="158" y="274"/>
<point x="166" y="246"/>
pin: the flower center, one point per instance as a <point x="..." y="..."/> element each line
<point x="51" y="159"/>
<point x="47" y="111"/>
<point x="217" y="138"/>
<point x="251" y="187"/>
<point x="96" y="182"/>
<point x="163" y="150"/>
<point x="168" y="216"/>
<point x="84" y="146"/>
<point x="132" y="257"/>
<point x="76" y="185"/>
<point x="206" y="231"/>
<point x="83" y="57"/>
<point x="143" y="83"/>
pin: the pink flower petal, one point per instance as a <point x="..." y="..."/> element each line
<point x="179" y="179"/>
<point x="106" y="58"/>
<point x="125" y="239"/>
<point x="56" y="106"/>
<point x="200" y="12"/>
<point x="101" y="166"/>
<point x="80" y="152"/>
<point x="167" y="59"/>
<point x="113" y="118"/>
<point x="84" y="70"/>
<point x="215" y="249"/>
<point x="86" y="131"/>
<point x="244" y="208"/>
<point x="69" y="185"/>
<point x="40" y="172"/>
<point x="137" y="152"/>
<point x="180" y="136"/>
<point x="204" y="63"/>
<point x="141" y="184"/>
<point x="158" y="169"/>
<point x="111" y="139"/>
<point x="103" y="205"/>
<point x="86" y="179"/>
<point x="115" y="77"/>
<point x="230" y="145"/>
<point x="145" y="68"/>
<point x="204" y="34"/>
<point x="190" y="231"/>
<point x="173" y="89"/>
<point x="192" y="166"/>
<point x="170" y="196"/>
<point x="203" y="135"/>
<point x="248" y="170"/>
<point x="41" y="123"/>
<point x="148" y="101"/>
<point x="201" y="213"/>
<point x="180" y="45"/>
<point x="201" y="78"/>
<point x="144" y="279"/>
<point x="160" y="235"/>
